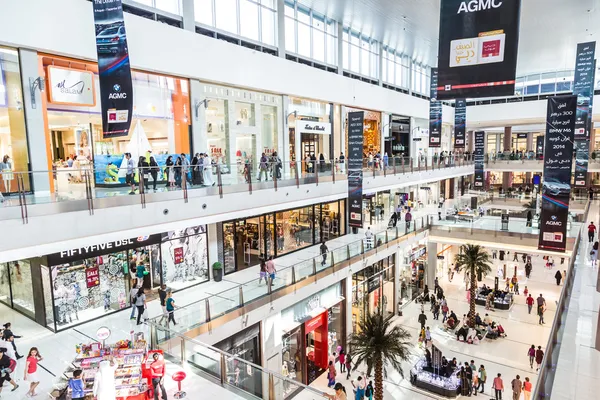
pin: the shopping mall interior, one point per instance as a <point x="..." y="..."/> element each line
<point x="281" y="199"/>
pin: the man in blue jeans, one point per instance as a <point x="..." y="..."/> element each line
<point x="132" y="295"/>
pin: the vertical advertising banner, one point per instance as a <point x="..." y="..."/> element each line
<point x="583" y="87"/>
<point x="356" y="122"/>
<point x="478" y="44"/>
<point x="582" y="155"/>
<point x="435" y="112"/>
<point x="558" y="156"/>
<point x="116" y="88"/>
<point x="478" y="158"/>
<point x="460" y="120"/>
<point x="539" y="147"/>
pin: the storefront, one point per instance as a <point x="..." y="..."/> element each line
<point x="412" y="272"/>
<point x="310" y="129"/>
<point x="241" y="125"/>
<point x="82" y="284"/>
<point x="13" y="134"/>
<point x="246" y="346"/>
<point x="246" y="241"/>
<point x="160" y="123"/>
<point x="312" y="330"/>
<point x="371" y="131"/>
<point x="397" y="141"/>
<point x="373" y="290"/>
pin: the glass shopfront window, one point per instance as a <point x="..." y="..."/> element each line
<point x="217" y="130"/>
<point x="247" y="241"/>
<point x="185" y="257"/>
<point x="269" y="130"/>
<point x="373" y="290"/>
<point x="19" y="275"/>
<point x="160" y="123"/>
<point x="304" y="117"/>
<point x="14" y="155"/>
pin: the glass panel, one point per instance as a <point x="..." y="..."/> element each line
<point x="268" y="26"/>
<point x="203" y="11"/>
<point x="292" y="359"/>
<point x="346" y="56"/>
<point x="204" y="358"/>
<point x="14" y="156"/>
<point x="245" y="114"/>
<point x="290" y="34"/>
<point x="171" y="6"/>
<point x="365" y="63"/>
<point x="354" y="58"/>
<point x="249" y="19"/>
<point x="22" y="289"/>
<point x="331" y="49"/>
<point x="47" y="287"/>
<point x="226" y="15"/>
<point x="318" y="45"/>
<point x="548" y="88"/>
<point x="303" y="15"/>
<point x="289" y="10"/>
<point x="303" y="39"/>
<point x="78" y="297"/>
<point x="229" y="247"/>
<point x="295" y="226"/>
<point x="269" y="130"/>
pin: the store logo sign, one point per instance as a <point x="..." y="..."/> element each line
<point x="315" y="127"/>
<point x="478" y="5"/>
<point x="71" y="87"/>
<point x="96" y="247"/>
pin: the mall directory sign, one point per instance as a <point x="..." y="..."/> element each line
<point x="478" y="44"/>
<point x="355" y="164"/>
<point x="556" y="187"/>
<point x="478" y="158"/>
<point x="460" y="121"/>
<point x="116" y="88"/>
<point x="435" y="112"/>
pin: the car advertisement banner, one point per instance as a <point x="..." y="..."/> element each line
<point x="583" y="87"/>
<point x="582" y="155"/>
<point x="478" y="46"/>
<point x="116" y="88"/>
<point x="460" y="119"/>
<point x="355" y="163"/>
<point x="556" y="187"/>
<point x="478" y="158"/>
<point x="435" y="112"/>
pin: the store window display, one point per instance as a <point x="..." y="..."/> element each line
<point x="373" y="290"/>
<point x="217" y="131"/>
<point x="185" y="257"/>
<point x="269" y="130"/>
<point x="160" y="123"/>
<point x="292" y="360"/>
<point x="14" y="153"/>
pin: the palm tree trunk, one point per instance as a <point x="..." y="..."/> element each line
<point x="378" y="378"/>
<point x="473" y="294"/>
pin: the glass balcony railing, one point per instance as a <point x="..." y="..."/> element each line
<point x="98" y="188"/>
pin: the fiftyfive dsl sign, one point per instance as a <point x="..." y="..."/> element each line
<point x="478" y="5"/>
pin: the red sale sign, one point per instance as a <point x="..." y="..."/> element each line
<point x="92" y="277"/>
<point x="178" y="255"/>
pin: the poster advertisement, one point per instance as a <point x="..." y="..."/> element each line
<point x="178" y="255"/>
<point x="435" y="112"/>
<point x="92" y="277"/>
<point x="539" y="147"/>
<point x="583" y="87"/>
<point x="478" y="158"/>
<point x="556" y="187"/>
<point x="478" y="45"/>
<point x="582" y="155"/>
<point x="460" y="120"/>
<point x="116" y="88"/>
<point x="355" y="163"/>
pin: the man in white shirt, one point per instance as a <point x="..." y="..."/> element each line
<point x="208" y="178"/>
<point x="369" y="237"/>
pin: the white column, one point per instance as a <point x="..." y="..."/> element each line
<point x="348" y="300"/>
<point x="187" y="12"/>
<point x="340" y="52"/>
<point x="285" y="151"/>
<point x="410" y="73"/>
<point x="380" y="66"/>
<point x="397" y="280"/>
<point x="432" y="250"/>
<point x="339" y="138"/>
<point x="34" y="120"/>
<point x="385" y="130"/>
<point x="199" y="136"/>
<point x="281" y="27"/>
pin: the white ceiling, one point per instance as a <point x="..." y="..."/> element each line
<point x="550" y="29"/>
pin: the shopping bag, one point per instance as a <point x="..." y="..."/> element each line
<point x="145" y="314"/>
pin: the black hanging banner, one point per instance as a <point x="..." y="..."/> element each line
<point x="435" y="112"/>
<point x="478" y="158"/>
<point x="116" y="88"/>
<point x="460" y="119"/>
<point x="478" y="44"/>
<point x="355" y="164"/>
<point x="556" y="188"/>
<point x="539" y="147"/>
<point x="582" y="155"/>
<point x="583" y="87"/>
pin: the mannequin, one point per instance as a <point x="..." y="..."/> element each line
<point x="104" y="383"/>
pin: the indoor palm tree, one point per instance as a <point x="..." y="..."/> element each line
<point x="378" y="343"/>
<point x="476" y="260"/>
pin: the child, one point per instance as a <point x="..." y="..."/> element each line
<point x="76" y="386"/>
<point x="30" y="375"/>
<point x="475" y="383"/>
<point x="369" y="392"/>
<point x="526" y="291"/>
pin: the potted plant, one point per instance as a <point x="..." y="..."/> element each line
<point x="217" y="271"/>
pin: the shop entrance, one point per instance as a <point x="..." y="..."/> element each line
<point x="245" y="145"/>
<point x="316" y="347"/>
<point x="249" y="242"/>
<point x="149" y="256"/>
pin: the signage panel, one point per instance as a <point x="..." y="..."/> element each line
<point x="460" y="120"/>
<point x="322" y="128"/>
<point x="435" y="112"/>
<point x="355" y="163"/>
<point x="71" y="87"/>
<point x="478" y="158"/>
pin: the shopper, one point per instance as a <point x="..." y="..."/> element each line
<point x="482" y="378"/>
<point x="157" y="369"/>
<point x="340" y="392"/>
<point x="143" y="173"/>
<point x="140" y="272"/>
<point x="422" y="319"/>
<point x="591" y="231"/>
<point x="369" y="237"/>
<point x="427" y="336"/>
<point x="469" y="376"/>
<point x="498" y="387"/>
<point x="370" y="391"/>
<point x="527" y="389"/>
<point x="528" y="268"/>
<point x="170" y="306"/>
<point x="263" y="167"/>
<point x="531" y="354"/>
<point x="594" y="254"/>
<point x="129" y="174"/>
<point x="516" y="385"/>
<point x="140" y="303"/>
<point x="541" y="304"/>
<point x="271" y="270"/>
<point x="207" y="173"/>
<point x="162" y="296"/>
<point x="529" y="302"/>
<point x="558" y="277"/>
<point x="539" y="358"/>
<point x="10" y="336"/>
<point x="408" y="219"/>
<point x="348" y="365"/>
<point x="359" y="387"/>
<point x="5" y="367"/>
<point x="342" y="359"/>
<point x="185" y="169"/>
<point x="331" y="373"/>
<point x="324" y="251"/>
<point x="30" y="374"/>
<point x="263" y="271"/>
<point x="132" y="296"/>
<point x="153" y="169"/>
<point x="76" y="385"/>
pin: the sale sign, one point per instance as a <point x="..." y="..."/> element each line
<point x="178" y="255"/>
<point x="92" y="277"/>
